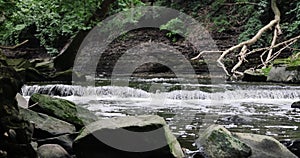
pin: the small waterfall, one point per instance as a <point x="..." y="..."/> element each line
<point x="69" y="90"/>
<point x="126" y="92"/>
<point x="236" y="95"/>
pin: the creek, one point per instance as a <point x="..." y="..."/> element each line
<point x="262" y="108"/>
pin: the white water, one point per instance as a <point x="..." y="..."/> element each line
<point x="263" y="103"/>
<point x="110" y="98"/>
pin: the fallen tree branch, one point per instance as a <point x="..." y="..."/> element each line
<point x="15" y="46"/>
<point x="201" y="53"/>
<point x="275" y="46"/>
<point x="249" y="42"/>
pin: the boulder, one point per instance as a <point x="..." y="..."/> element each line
<point x="216" y="141"/>
<point x="46" y="126"/>
<point x="62" y="109"/>
<point x="52" y="151"/>
<point x="264" y="146"/>
<point x="283" y="73"/>
<point x="64" y="141"/>
<point x="296" y="104"/>
<point x="254" y="76"/>
<point x="144" y="136"/>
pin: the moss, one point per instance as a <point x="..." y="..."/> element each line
<point x="266" y="70"/>
<point x="283" y="61"/>
<point x="61" y="109"/>
<point x="291" y="61"/>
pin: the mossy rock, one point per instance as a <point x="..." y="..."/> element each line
<point x="46" y="126"/>
<point x="216" y="141"/>
<point x="62" y="109"/>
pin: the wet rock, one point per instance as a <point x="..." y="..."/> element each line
<point x="293" y="146"/>
<point x="15" y="132"/>
<point x="254" y="76"/>
<point x="64" y="141"/>
<point x="296" y="104"/>
<point x="216" y="141"/>
<point x="132" y="136"/>
<point x="235" y="119"/>
<point x="264" y="146"/>
<point x="52" y="151"/>
<point x="62" y="109"/>
<point x="46" y="126"/>
<point x="22" y="102"/>
<point x="283" y="73"/>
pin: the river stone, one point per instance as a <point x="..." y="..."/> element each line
<point x="64" y="141"/>
<point x="46" y="126"/>
<point x="22" y="102"/>
<point x="62" y="109"/>
<point x="283" y="73"/>
<point x="296" y="104"/>
<point x="52" y="151"/>
<point x="216" y="141"/>
<point x="127" y="137"/>
<point x="264" y="146"/>
<point x="254" y="76"/>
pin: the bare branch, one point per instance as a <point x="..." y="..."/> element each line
<point x="15" y="46"/>
<point x="250" y="41"/>
<point x="201" y="53"/>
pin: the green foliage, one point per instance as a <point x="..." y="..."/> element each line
<point x="266" y="70"/>
<point x="291" y="26"/>
<point x="53" y="22"/>
<point x="237" y="11"/>
<point x="52" y="19"/>
<point x="125" y="5"/>
<point x="174" y="27"/>
<point x="255" y="23"/>
<point x="293" y="60"/>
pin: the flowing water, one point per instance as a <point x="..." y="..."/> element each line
<point x="262" y="109"/>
